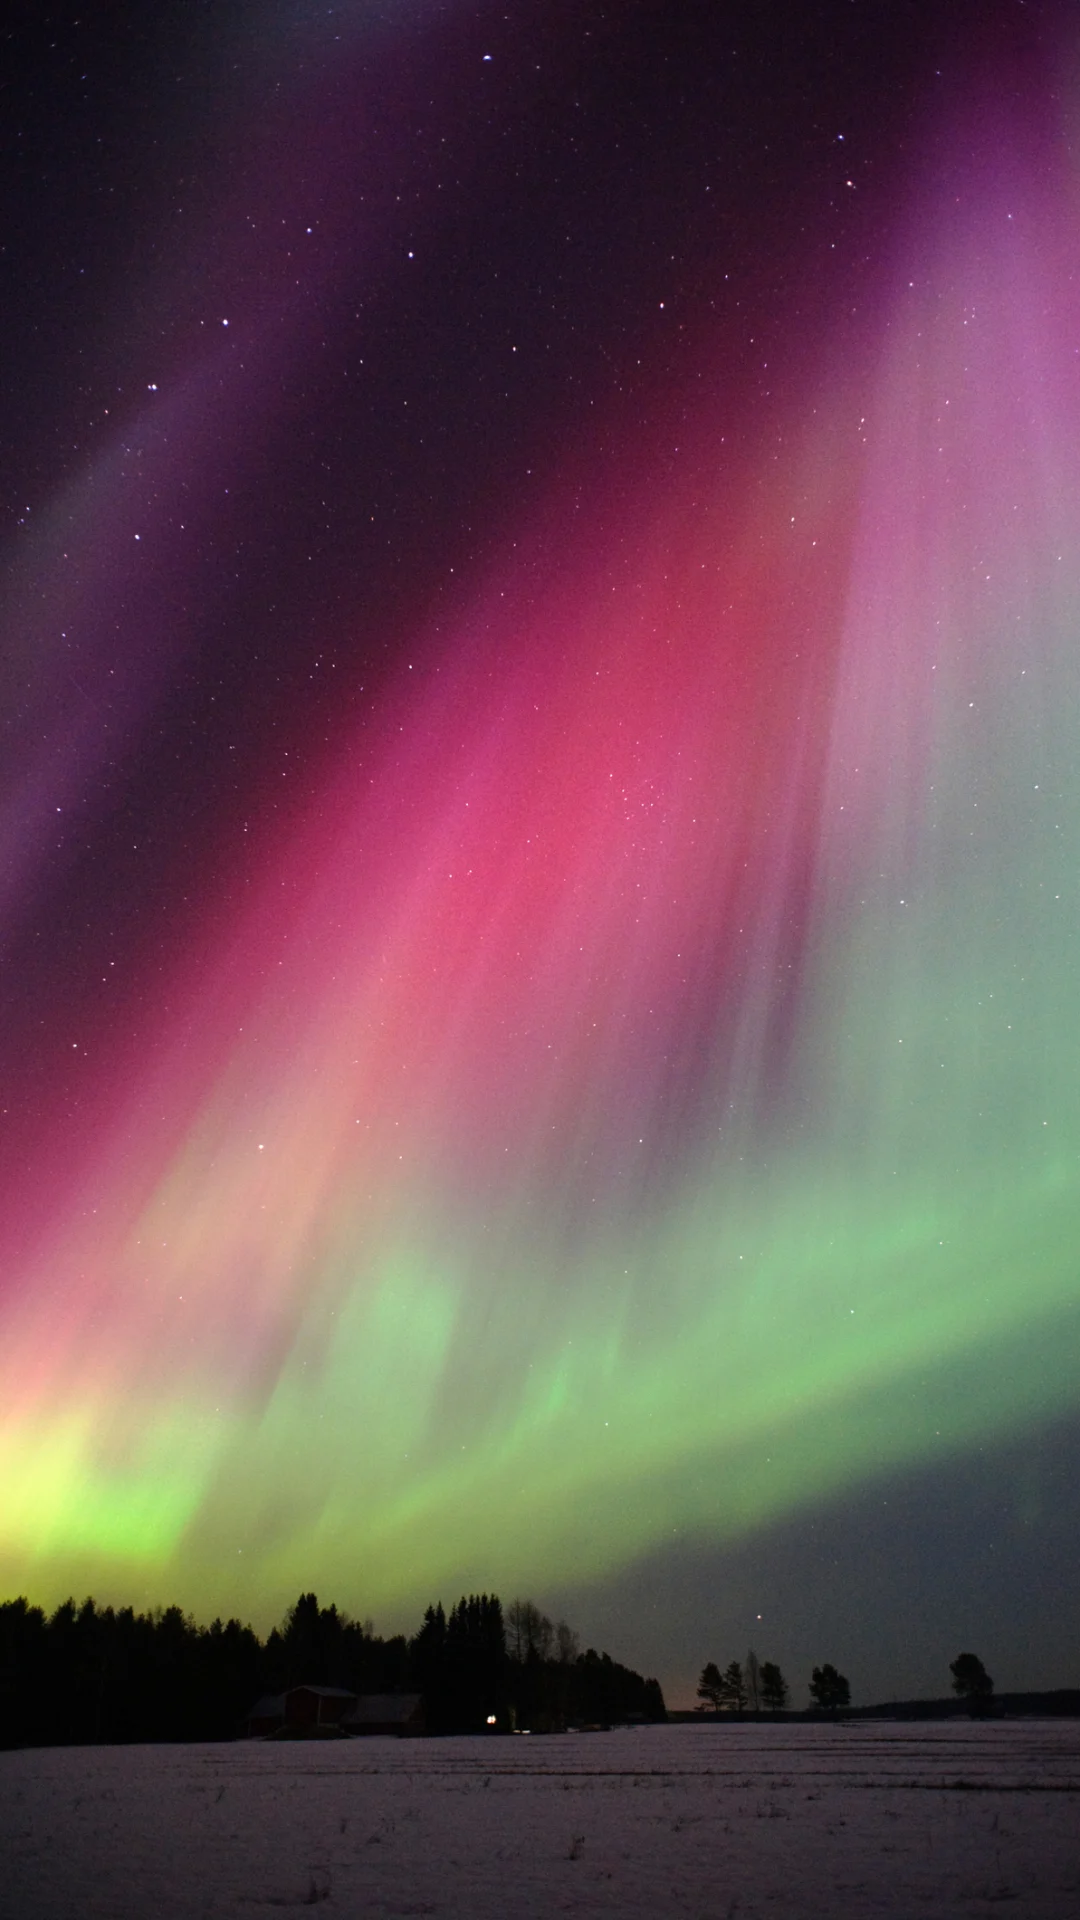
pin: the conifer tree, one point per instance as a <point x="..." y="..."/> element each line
<point x="774" y="1688"/>
<point x="711" y="1686"/>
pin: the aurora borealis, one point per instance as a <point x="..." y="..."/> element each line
<point x="540" y="802"/>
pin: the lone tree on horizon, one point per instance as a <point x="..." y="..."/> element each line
<point x="970" y="1679"/>
<point x="829" y="1690"/>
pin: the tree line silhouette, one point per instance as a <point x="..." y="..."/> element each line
<point x="89" y="1674"/>
<point x="751" y="1686"/>
<point x="747" y="1686"/>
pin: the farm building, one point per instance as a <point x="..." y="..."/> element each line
<point x="300" y="1710"/>
<point x="308" y="1712"/>
<point x="400" y="1713"/>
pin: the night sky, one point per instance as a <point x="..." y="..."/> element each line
<point x="539" y="820"/>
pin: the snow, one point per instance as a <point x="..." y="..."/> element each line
<point x="939" y="1819"/>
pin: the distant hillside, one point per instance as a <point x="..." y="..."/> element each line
<point x="1061" y="1703"/>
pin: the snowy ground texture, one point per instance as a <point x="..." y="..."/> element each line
<point x="933" y="1820"/>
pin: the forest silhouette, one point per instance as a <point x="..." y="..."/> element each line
<point x="89" y="1674"/>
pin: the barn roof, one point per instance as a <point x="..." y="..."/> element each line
<point x="267" y="1706"/>
<point x="385" y="1707"/>
<point x="324" y="1693"/>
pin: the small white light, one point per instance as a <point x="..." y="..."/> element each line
<point x="491" y="1720"/>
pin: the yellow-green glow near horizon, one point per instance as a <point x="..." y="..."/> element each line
<point x="649" y="1101"/>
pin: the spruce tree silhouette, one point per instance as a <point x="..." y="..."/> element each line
<point x="774" y="1688"/>
<point x="710" y="1686"/>
<point x="733" y="1688"/>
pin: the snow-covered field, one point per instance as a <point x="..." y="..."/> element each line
<point x="935" y="1820"/>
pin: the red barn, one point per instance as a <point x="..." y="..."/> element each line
<point x="300" y="1711"/>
